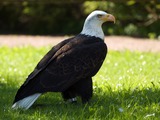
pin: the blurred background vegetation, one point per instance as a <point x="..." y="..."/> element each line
<point x="50" y="17"/>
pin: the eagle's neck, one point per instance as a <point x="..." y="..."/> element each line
<point x="93" y="29"/>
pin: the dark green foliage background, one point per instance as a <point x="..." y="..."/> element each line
<point x="50" y="17"/>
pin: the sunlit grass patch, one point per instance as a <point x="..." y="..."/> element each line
<point x="126" y="87"/>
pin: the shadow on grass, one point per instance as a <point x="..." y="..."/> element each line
<point x="103" y="104"/>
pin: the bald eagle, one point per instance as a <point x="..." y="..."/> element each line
<point x="69" y="66"/>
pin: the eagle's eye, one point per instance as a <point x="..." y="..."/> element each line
<point x="99" y="15"/>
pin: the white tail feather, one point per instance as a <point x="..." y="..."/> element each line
<point x="27" y="102"/>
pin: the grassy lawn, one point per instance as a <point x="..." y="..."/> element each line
<point x="126" y="88"/>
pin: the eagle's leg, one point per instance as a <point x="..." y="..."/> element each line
<point x="84" y="89"/>
<point x="69" y="95"/>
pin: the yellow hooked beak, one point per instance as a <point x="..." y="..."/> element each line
<point x="108" y="17"/>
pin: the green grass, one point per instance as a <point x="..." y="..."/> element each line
<point x="126" y="88"/>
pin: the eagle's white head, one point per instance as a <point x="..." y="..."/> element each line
<point x="94" y="21"/>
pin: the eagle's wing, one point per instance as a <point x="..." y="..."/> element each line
<point x="73" y="60"/>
